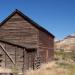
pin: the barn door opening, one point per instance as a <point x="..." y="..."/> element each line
<point x="31" y="58"/>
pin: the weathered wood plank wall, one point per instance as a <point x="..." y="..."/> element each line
<point x="46" y="45"/>
<point x="29" y="46"/>
<point x="19" y="32"/>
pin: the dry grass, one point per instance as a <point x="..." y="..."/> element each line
<point x="4" y="70"/>
<point x="49" y="69"/>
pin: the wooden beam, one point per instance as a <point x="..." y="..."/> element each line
<point x="7" y="53"/>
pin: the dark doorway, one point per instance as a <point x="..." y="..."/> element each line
<point x="31" y="58"/>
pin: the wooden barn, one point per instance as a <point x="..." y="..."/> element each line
<point x="24" y="43"/>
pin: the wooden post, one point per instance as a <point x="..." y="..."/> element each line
<point x="15" y="56"/>
<point x="24" y="60"/>
<point x="5" y="57"/>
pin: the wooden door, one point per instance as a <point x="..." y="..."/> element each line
<point x="31" y="59"/>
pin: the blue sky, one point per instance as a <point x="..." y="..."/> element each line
<point x="57" y="16"/>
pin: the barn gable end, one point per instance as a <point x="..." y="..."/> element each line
<point x="18" y="30"/>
